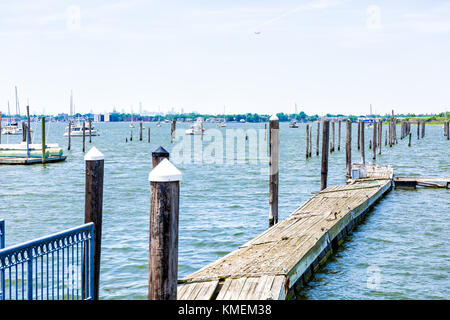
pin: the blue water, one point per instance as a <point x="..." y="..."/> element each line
<point x="405" y="238"/>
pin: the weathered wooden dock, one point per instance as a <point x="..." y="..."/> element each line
<point x="276" y="263"/>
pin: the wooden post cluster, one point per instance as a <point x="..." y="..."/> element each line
<point x="363" y="152"/>
<point x="325" y="149"/>
<point x="274" y="127"/>
<point x="93" y="209"/>
<point x="348" y="149"/>
<point x="163" y="241"/>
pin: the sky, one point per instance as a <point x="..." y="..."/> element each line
<point x="258" y="56"/>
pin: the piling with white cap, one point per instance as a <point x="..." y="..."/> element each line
<point x="274" y="127"/>
<point x="163" y="244"/>
<point x="93" y="209"/>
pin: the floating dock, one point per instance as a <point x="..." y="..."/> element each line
<point x="27" y="161"/>
<point x="428" y="182"/>
<point x="276" y="264"/>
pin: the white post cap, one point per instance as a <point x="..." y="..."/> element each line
<point x="165" y="171"/>
<point x="94" y="155"/>
<point x="273" y="118"/>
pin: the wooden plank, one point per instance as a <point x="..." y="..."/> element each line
<point x="224" y="290"/>
<point x="207" y="290"/>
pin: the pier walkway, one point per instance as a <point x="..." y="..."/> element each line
<point x="276" y="263"/>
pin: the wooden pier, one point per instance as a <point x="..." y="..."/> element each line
<point x="276" y="263"/>
<point x="428" y="182"/>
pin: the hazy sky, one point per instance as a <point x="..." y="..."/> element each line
<point x="250" y="56"/>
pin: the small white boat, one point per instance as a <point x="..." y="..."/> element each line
<point x="11" y="130"/>
<point x="77" y="131"/>
<point x="196" y="128"/>
<point x="293" y="124"/>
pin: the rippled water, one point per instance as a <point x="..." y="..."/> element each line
<point x="405" y="238"/>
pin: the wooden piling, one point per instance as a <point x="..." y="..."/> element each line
<point x="28" y="125"/>
<point x="359" y="134"/>
<point x="148" y="135"/>
<point x="84" y="136"/>
<point x="310" y="141"/>
<point x="385" y="137"/>
<point x="68" y="135"/>
<point x="24" y="131"/>
<point x="325" y="148"/>
<point x="172" y="130"/>
<point x="159" y="155"/>
<point x="448" y="133"/>
<point x="339" y="135"/>
<point x="131" y="134"/>
<point x="363" y="154"/>
<point x="380" y="135"/>
<point x="418" y="129"/>
<point x="390" y="133"/>
<point x="140" y="131"/>
<point x="274" y="127"/>
<point x="348" y="149"/>
<point x="43" y="139"/>
<point x="307" y="141"/>
<point x="93" y="209"/>
<point x="163" y="241"/>
<point x="318" y="137"/>
<point x="409" y="140"/>
<point x="332" y="137"/>
<point x="423" y="129"/>
<point x="374" y="139"/>
<point x="90" y="131"/>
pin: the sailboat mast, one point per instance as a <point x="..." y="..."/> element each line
<point x="71" y="104"/>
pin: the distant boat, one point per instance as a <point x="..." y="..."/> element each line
<point x="293" y="124"/>
<point x="242" y="121"/>
<point x="131" y="123"/>
<point x="76" y="130"/>
<point x="196" y="128"/>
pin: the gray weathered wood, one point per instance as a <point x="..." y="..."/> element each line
<point x="163" y="244"/>
<point x="348" y="149"/>
<point x="274" y="127"/>
<point x="325" y="148"/>
<point x="93" y="211"/>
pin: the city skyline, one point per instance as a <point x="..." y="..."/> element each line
<point x="325" y="56"/>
